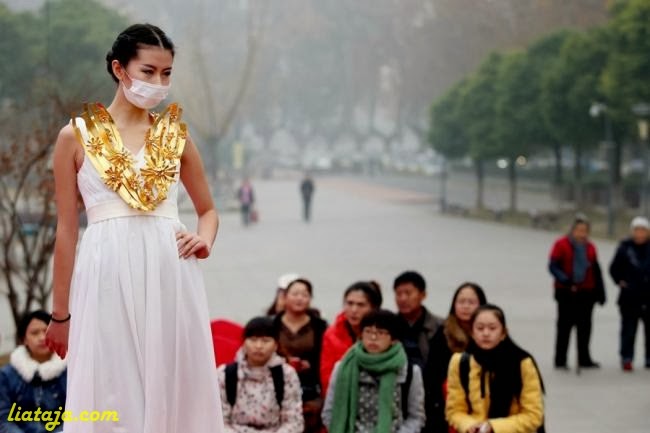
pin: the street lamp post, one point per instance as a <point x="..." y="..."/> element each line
<point x="443" y="185"/>
<point x="642" y="111"/>
<point x="599" y="109"/>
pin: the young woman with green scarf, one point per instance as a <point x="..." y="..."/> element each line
<point x="374" y="389"/>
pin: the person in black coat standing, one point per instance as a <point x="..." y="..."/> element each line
<point x="630" y="269"/>
<point x="307" y="192"/>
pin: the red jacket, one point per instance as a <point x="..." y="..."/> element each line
<point x="562" y="260"/>
<point x="337" y="340"/>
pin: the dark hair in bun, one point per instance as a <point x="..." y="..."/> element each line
<point x="370" y="289"/>
<point x="130" y="40"/>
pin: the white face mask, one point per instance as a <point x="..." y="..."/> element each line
<point x="144" y="95"/>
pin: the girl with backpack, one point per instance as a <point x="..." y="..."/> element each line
<point x="260" y="392"/>
<point x="495" y="386"/>
<point x="374" y="389"/>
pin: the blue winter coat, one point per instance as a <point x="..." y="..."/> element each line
<point x="28" y="385"/>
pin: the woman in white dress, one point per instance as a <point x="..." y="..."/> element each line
<point x="131" y="312"/>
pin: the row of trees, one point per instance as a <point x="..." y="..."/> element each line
<point x="49" y="66"/>
<point x="340" y="70"/>
<point x="537" y="101"/>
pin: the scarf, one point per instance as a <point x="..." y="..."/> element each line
<point x="386" y="365"/>
<point x="502" y="365"/>
<point x="580" y="261"/>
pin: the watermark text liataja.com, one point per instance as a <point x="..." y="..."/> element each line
<point x="54" y="418"/>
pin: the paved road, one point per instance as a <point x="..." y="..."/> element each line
<point x="365" y="231"/>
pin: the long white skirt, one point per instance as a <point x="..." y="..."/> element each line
<point x="140" y="341"/>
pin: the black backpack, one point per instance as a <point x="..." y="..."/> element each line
<point x="464" y="381"/>
<point x="231" y="383"/>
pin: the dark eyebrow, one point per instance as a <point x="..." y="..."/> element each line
<point x="154" y="67"/>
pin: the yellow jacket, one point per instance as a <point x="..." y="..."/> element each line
<point x="526" y="413"/>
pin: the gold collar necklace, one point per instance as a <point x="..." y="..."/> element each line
<point x="142" y="189"/>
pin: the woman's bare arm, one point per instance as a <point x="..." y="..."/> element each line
<point x="67" y="233"/>
<point x="193" y="177"/>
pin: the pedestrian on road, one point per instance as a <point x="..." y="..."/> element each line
<point x="246" y="196"/>
<point x="578" y="287"/>
<point x="419" y="324"/>
<point x="307" y="191"/>
<point x="453" y="337"/>
<point x="260" y="392"/>
<point x="359" y="299"/>
<point x="630" y="269"/>
<point x="495" y="386"/>
<point x="301" y="341"/>
<point x="374" y="388"/>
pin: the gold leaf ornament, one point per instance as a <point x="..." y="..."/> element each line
<point x="95" y="146"/>
<point x="145" y="188"/>
<point x="160" y="174"/>
<point x="121" y="159"/>
<point x="113" y="178"/>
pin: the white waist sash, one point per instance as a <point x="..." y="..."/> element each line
<point x="119" y="209"/>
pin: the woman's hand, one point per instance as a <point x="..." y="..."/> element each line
<point x="56" y="337"/>
<point x="190" y="244"/>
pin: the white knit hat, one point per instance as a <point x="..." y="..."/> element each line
<point x="640" y="223"/>
<point x="286" y="279"/>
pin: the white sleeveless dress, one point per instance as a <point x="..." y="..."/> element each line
<point x="140" y="341"/>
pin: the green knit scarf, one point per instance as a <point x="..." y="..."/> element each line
<point x="346" y="394"/>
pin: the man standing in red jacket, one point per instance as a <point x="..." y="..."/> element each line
<point x="578" y="286"/>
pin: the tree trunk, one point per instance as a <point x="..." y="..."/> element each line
<point x="480" y="183"/>
<point x="578" y="195"/>
<point x="558" y="178"/>
<point x="617" y="177"/>
<point x="512" y="180"/>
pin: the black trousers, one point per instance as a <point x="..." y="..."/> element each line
<point x="573" y="310"/>
<point x="306" y="202"/>
<point x="630" y="317"/>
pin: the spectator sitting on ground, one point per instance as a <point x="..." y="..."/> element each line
<point x="419" y="324"/>
<point x="453" y="337"/>
<point x="374" y="388"/>
<point x="495" y="386"/>
<point x="301" y="341"/>
<point x="35" y="377"/>
<point x="278" y="302"/>
<point x="260" y="392"/>
<point x="358" y="300"/>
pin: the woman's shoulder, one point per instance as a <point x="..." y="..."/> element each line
<point x="562" y="241"/>
<point x="318" y="322"/>
<point x="7" y="371"/>
<point x="289" y="372"/>
<point x="528" y="364"/>
<point x="337" y="332"/>
<point x="456" y="357"/>
<point x="67" y="135"/>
